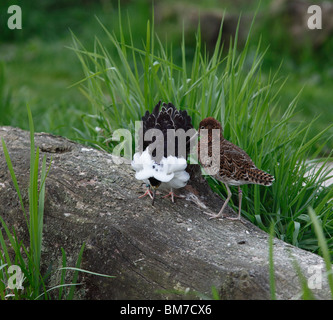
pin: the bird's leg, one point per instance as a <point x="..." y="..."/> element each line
<point x="154" y="195"/>
<point x="240" y="194"/>
<point x="148" y="192"/>
<point x="213" y="216"/>
<point x="173" y="195"/>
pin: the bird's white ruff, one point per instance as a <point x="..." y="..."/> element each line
<point x="170" y="170"/>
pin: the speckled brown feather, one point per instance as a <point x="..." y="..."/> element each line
<point x="236" y="166"/>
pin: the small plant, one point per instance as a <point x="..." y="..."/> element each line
<point x="28" y="259"/>
<point x="34" y="222"/>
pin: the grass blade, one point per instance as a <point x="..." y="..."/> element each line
<point x="323" y="246"/>
<point x="87" y="271"/>
<point x="13" y="177"/>
<point x="76" y="272"/>
<point x="63" y="273"/>
<point x="271" y="263"/>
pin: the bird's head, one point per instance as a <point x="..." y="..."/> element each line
<point x="209" y="124"/>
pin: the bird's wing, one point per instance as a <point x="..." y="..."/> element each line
<point x="235" y="162"/>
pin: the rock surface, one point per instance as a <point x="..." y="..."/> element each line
<point x="161" y="252"/>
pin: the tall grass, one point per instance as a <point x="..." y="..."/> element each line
<point x="322" y="243"/>
<point x="229" y="86"/>
<point x="28" y="259"/>
<point x="271" y="263"/>
<point x="5" y="97"/>
<point x="34" y="222"/>
<point x="306" y="292"/>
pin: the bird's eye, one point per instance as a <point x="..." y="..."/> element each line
<point x="202" y="127"/>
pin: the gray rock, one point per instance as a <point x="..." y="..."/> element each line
<point x="161" y="252"/>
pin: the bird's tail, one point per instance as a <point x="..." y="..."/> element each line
<point x="258" y="176"/>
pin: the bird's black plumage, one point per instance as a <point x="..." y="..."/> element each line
<point x="166" y="118"/>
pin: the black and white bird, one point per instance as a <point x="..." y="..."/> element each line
<point x="167" y="167"/>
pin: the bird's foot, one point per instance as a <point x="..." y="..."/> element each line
<point x="147" y="193"/>
<point x="214" y="215"/>
<point x="173" y="196"/>
<point x="222" y="216"/>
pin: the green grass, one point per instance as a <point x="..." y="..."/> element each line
<point x="315" y="101"/>
<point x="231" y="88"/>
<point x="322" y="243"/>
<point x="271" y="263"/>
<point x="28" y="258"/>
<point x="34" y="222"/>
<point x="306" y="293"/>
<point x="39" y="69"/>
<point x="127" y="68"/>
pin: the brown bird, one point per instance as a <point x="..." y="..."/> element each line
<point x="228" y="164"/>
